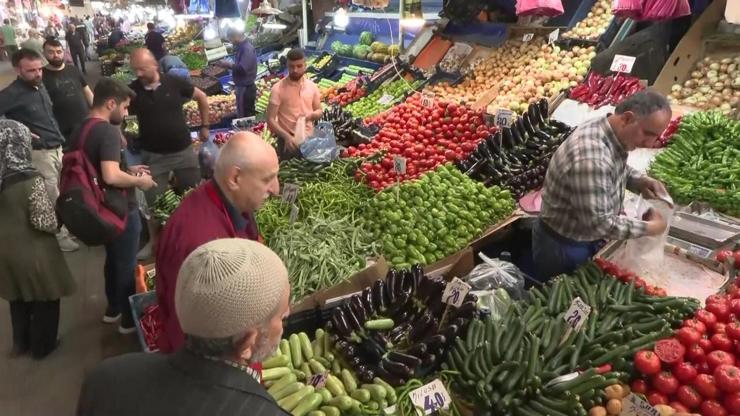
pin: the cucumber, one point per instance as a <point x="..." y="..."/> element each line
<point x="307" y="404"/>
<point x="295" y="350"/>
<point x="306" y="347"/>
<point x="316" y="413"/>
<point x="285" y="350"/>
<point x="335" y="386"/>
<point x="306" y="369"/>
<point x="289" y="403"/>
<point x="325" y="394"/>
<point x="318" y="343"/>
<point x="275" y="373"/>
<point x="276" y="361"/>
<point x="316" y="367"/>
<point x="350" y="384"/>
<point x="390" y="392"/>
<point x="380" y="324"/>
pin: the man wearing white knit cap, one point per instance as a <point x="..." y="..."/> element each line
<point x="231" y="298"/>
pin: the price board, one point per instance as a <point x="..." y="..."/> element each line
<point x="399" y="165"/>
<point x="431" y="397"/>
<point x="504" y="117"/>
<point x="634" y="405"/>
<point x="427" y="100"/>
<point x="577" y="314"/>
<point x="623" y="63"/>
<point x="553" y="36"/>
<point x="527" y="37"/>
<point x="293" y="213"/>
<point x="455" y="292"/>
<point x="386" y="99"/>
<point x="290" y="193"/>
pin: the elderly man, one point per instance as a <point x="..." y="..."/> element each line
<point x="585" y="182"/>
<point x="245" y="175"/>
<point x="244" y="72"/>
<point x="231" y="298"/>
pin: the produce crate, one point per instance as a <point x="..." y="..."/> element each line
<point x="139" y="302"/>
<point x="306" y="321"/>
<point x="574" y="12"/>
<point x="227" y="83"/>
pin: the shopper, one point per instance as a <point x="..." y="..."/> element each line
<point x="51" y="31"/>
<point x="244" y="72"/>
<point x="7" y="31"/>
<point x="76" y="46"/>
<point x="35" y="274"/>
<point x="116" y="36"/>
<point x="103" y="146"/>
<point x="164" y="137"/>
<point x="154" y="41"/>
<point x="585" y="183"/>
<point x="70" y="95"/>
<point x="293" y="98"/>
<point x="231" y="298"/>
<point x="245" y="175"/>
<point x="172" y="65"/>
<point x="27" y="101"/>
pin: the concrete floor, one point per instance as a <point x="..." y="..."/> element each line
<point x="51" y="386"/>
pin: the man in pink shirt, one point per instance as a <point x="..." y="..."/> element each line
<point x="293" y="97"/>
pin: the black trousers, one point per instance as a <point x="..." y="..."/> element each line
<point x="78" y="57"/>
<point x="35" y="326"/>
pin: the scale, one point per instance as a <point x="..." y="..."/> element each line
<point x="694" y="249"/>
<point x="701" y="232"/>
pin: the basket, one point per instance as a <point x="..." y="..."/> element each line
<point x="139" y="302"/>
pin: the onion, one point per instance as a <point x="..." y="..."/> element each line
<point x="726" y="61"/>
<point x="690" y="83"/>
<point x="714" y="66"/>
<point x="696" y="75"/>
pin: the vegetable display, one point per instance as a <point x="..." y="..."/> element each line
<point x="165" y="205"/>
<point x="600" y="90"/>
<point x="194" y="60"/>
<point x="426" y="220"/>
<point x="264" y="87"/>
<point x="702" y="162"/>
<point x="219" y="106"/>
<point x="595" y="23"/>
<point x="342" y="122"/>
<point x="372" y="104"/>
<point x="669" y="131"/>
<point x="508" y="366"/>
<point x="713" y="84"/>
<point x="353" y="91"/>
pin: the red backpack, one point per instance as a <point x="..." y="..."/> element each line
<point x="91" y="211"/>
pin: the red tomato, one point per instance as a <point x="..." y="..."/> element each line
<point x="716" y="298"/>
<point x="712" y="408"/>
<point x="723" y="255"/>
<point x="736" y="257"/>
<point x="639" y="386"/>
<point x="720" y="309"/>
<point x="696" y="324"/>
<point x="704" y="384"/>
<point x="665" y="383"/>
<point x="688" y="396"/>
<point x="717" y="358"/>
<point x="733" y="328"/>
<point x="735" y="304"/>
<point x="727" y="378"/>
<point x="670" y="351"/>
<point x="707" y="317"/>
<point x="732" y="403"/>
<point x="721" y="342"/>
<point x="688" y="336"/>
<point x="720" y="327"/>
<point x="696" y="354"/>
<point x="655" y="398"/>
<point x="647" y="362"/>
<point x="678" y="407"/>
<point x="685" y="372"/>
<point x="706" y="344"/>
<point x="703" y="368"/>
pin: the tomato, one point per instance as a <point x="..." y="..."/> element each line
<point x="703" y="368"/>
<point x="704" y="384"/>
<point x="721" y="342"/>
<point x="735" y="305"/>
<point x="716" y="298"/>
<point x="727" y="378"/>
<point x="706" y="344"/>
<point x="647" y="362"/>
<point x="736" y="257"/>
<point x="707" y="317"/>
<point x="696" y="354"/>
<point x="688" y="336"/>
<point x="688" y="396"/>
<point x="678" y="407"/>
<point x="717" y="358"/>
<point x="665" y="383"/>
<point x="669" y="351"/>
<point x="732" y="403"/>
<point x="712" y="408"/>
<point x="639" y="386"/>
<point x="720" y="327"/>
<point x="723" y="255"/>
<point x="696" y="324"/>
<point x="655" y="398"/>
<point x="685" y="372"/>
<point x="720" y="309"/>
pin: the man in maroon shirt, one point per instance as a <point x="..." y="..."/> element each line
<point x="245" y="175"/>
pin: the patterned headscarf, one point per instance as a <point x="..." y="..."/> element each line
<point x="15" y="149"/>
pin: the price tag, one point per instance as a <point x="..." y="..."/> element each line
<point x="385" y="99"/>
<point x="318" y="380"/>
<point x="293" y="213"/>
<point x="455" y="292"/>
<point x="427" y="99"/>
<point x="504" y="117"/>
<point x="290" y="193"/>
<point x="151" y="273"/>
<point x="527" y="37"/>
<point x="399" y="165"/>
<point x="553" y="36"/>
<point x="577" y="314"/>
<point x="431" y="397"/>
<point x="634" y="405"/>
<point x="623" y="64"/>
<point x="390" y="410"/>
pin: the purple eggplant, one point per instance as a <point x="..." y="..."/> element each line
<point x="352" y="319"/>
<point x="339" y="321"/>
<point x="390" y="283"/>
<point x="420" y="327"/>
<point x="435" y="342"/>
<point x="390" y="378"/>
<point x="467" y="310"/>
<point x="379" y="298"/>
<point x="408" y="360"/>
<point x="450" y="332"/>
<point x="355" y="303"/>
<point x="429" y="360"/>
<point x="394" y="367"/>
<point x="418" y="349"/>
<point x="367" y="301"/>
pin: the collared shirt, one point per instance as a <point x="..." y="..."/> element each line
<point x="584" y="186"/>
<point x="245" y="65"/>
<point x="32" y="106"/>
<point x="293" y="99"/>
<point x="237" y="218"/>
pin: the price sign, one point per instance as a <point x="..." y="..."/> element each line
<point x="553" y="36"/>
<point x="577" y="314"/>
<point x="527" y="37"/>
<point x="504" y="117"/>
<point x="399" y="165"/>
<point x="431" y="397"/>
<point x="390" y="410"/>
<point x="290" y="193"/>
<point x="623" y="64"/>
<point x="386" y="99"/>
<point x="455" y="292"/>
<point x="634" y="405"/>
<point x="427" y="100"/>
<point x="318" y="380"/>
<point x="293" y="213"/>
<point x="151" y="273"/>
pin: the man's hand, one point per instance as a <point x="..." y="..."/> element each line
<point x="145" y="182"/>
<point x="652" y="189"/>
<point x="656" y="224"/>
<point x="139" y="170"/>
<point x="203" y="135"/>
<point x="35" y="136"/>
<point x="290" y="144"/>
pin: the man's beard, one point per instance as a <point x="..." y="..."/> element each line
<point x="56" y="63"/>
<point x="264" y="349"/>
<point x="34" y="82"/>
<point x="295" y="77"/>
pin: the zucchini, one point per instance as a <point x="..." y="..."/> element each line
<point x="361" y="395"/>
<point x="281" y="383"/>
<point x="306" y="347"/>
<point x="295" y="350"/>
<point x="276" y="361"/>
<point x="331" y="410"/>
<point x="307" y="404"/>
<point x="342" y="402"/>
<point x="275" y="373"/>
<point x="350" y="384"/>
<point x="377" y="392"/>
<point x="287" y="391"/>
<point x="289" y="403"/>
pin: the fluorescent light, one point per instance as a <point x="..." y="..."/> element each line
<point x="413" y="22"/>
<point x="341" y="18"/>
<point x="274" y="25"/>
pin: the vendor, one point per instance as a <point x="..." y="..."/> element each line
<point x="245" y="175"/>
<point x="293" y="97"/>
<point x="154" y="41"/>
<point x="585" y="182"/>
<point x="172" y="65"/>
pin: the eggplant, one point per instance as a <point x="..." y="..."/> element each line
<point x="382" y="340"/>
<point x="425" y="289"/>
<point x="435" y="342"/>
<point x="517" y="138"/>
<point x="420" y="326"/>
<point x="352" y="319"/>
<point x="471" y="297"/>
<point x="431" y="329"/>
<point x="397" y="308"/>
<point x="400" y="284"/>
<point x="390" y="378"/>
<point x="429" y="360"/>
<point x="507" y="139"/>
<point x="339" y="321"/>
<point x="366" y="375"/>
<point x="399" y="333"/>
<point x="408" y="360"/>
<point x="355" y="303"/>
<point x="367" y="301"/>
<point x="418" y="273"/>
<point x="394" y="367"/>
<point x="372" y="349"/>
<point x="534" y="117"/>
<point x="379" y="298"/>
<point x="544" y="108"/>
<point x="417" y="349"/>
<point x="450" y="332"/>
<point x="390" y="284"/>
<point x="527" y="124"/>
<point x="495" y="141"/>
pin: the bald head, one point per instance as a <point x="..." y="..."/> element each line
<point x="246" y="171"/>
<point x="144" y="65"/>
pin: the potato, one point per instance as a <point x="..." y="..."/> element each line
<point x="614" y="392"/>
<point x="597" y="411"/>
<point x="614" y="406"/>
<point x="665" y="410"/>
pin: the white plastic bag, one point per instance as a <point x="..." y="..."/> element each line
<point x="494" y="274"/>
<point x="299" y="135"/>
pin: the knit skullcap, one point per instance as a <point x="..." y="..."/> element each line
<point x="228" y="286"/>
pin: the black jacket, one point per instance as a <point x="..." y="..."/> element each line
<point x="180" y="384"/>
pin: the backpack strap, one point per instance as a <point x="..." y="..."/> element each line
<point x="85" y="132"/>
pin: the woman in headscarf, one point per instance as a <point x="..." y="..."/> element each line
<point x="33" y="272"/>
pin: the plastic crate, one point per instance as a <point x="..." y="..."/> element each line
<point x="139" y="302"/>
<point x="306" y="321"/>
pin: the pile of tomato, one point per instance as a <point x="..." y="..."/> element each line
<point x="350" y="93"/>
<point x="626" y="276"/>
<point x="696" y="370"/>
<point x="425" y="136"/>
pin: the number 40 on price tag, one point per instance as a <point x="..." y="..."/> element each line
<point x="431" y="397"/>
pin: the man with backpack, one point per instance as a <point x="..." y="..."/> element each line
<point x="101" y="139"/>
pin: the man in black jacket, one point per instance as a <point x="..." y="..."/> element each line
<point x="76" y="44"/>
<point x="231" y="298"/>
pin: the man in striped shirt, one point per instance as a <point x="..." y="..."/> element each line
<point x="585" y="183"/>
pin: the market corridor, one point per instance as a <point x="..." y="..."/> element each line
<point x="51" y="386"/>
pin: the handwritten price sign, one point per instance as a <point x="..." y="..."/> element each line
<point x="431" y="397"/>
<point x="293" y="213"/>
<point x="427" y="100"/>
<point x="623" y="64"/>
<point x="527" y="37"/>
<point x="634" y="405"/>
<point x="385" y="99"/>
<point x="577" y="314"/>
<point x="290" y="193"/>
<point x="553" y="36"/>
<point x="504" y="117"/>
<point x="455" y="292"/>
<point x="399" y="165"/>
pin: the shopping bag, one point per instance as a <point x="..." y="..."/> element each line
<point x="539" y="7"/>
<point x="321" y="147"/>
<point x="631" y="9"/>
<point x="658" y="9"/>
